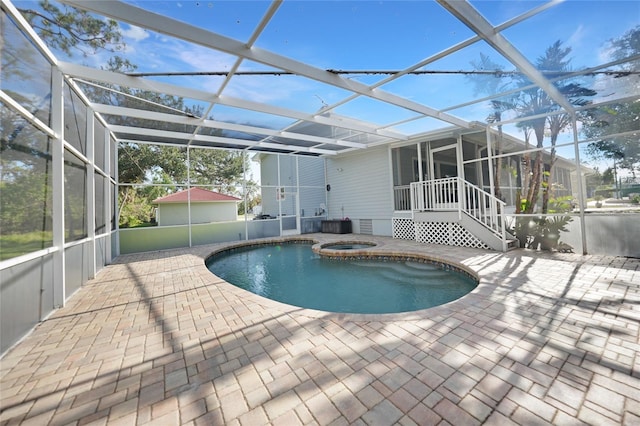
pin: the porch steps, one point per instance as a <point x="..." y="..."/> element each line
<point x="471" y="224"/>
<point x="464" y="213"/>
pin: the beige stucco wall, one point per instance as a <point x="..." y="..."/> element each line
<point x="178" y="213"/>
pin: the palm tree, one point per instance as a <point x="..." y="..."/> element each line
<point x="491" y="84"/>
<point x="548" y="117"/>
<point x="499" y="107"/>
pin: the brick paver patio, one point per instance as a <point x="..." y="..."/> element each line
<point x="156" y="338"/>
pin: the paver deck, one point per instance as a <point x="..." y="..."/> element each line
<point x="155" y="338"/>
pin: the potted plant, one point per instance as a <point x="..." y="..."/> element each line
<point x="598" y="199"/>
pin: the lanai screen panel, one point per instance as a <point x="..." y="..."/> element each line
<point x="355" y="74"/>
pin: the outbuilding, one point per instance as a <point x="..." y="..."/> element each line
<point x="205" y="206"/>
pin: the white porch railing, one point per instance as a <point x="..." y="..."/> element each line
<point x="402" y="198"/>
<point x="455" y="194"/>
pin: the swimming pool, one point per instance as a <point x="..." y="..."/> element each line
<point x="294" y="274"/>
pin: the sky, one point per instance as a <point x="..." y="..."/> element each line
<point x="367" y="35"/>
<point x="376" y="35"/>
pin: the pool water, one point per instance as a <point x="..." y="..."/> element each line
<point x="294" y="274"/>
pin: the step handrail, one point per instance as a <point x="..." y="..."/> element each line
<point x="445" y="195"/>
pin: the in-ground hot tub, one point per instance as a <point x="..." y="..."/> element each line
<point x="347" y="245"/>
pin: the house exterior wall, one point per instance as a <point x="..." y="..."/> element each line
<point x="312" y="186"/>
<point x="178" y="213"/>
<point x="301" y="176"/>
<point x="269" y="170"/>
<point x="288" y="171"/>
<point x="287" y="186"/>
<point x="269" y="181"/>
<point x="361" y="188"/>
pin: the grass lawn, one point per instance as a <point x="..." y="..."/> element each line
<point x="18" y="244"/>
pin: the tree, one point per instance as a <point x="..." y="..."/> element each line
<point x="252" y="197"/>
<point x="25" y="181"/>
<point x="556" y="124"/>
<point x="490" y="84"/>
<point x="536" y="102"/>
<point x="549" y="119"/>
<point x="531" y="101"/>
<point x="70" y="29"/>
<point x="616" y="125"/>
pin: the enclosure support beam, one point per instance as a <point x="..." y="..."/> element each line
<point x="57" y="155"/>
<point x="581" y="200"/>
<point x="91" y="191"/>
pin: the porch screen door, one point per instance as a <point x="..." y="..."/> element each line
<point x="444" y="169"/>
<point x="289" y="219"/>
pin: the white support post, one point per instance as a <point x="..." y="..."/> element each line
<point x="581" y="200"/>
<point x="297" y="192"/>
<point x="412" y="198"/>
<point x="91" y="191"/>
<point x="278" y="196"/>
<point x="420" y="172"/>
<point x="245" y="197"/>
<point x="114" y="197"/>
<point x="492" y="189"/>
<point x="108" y="197"/>
<point x="189" y="194"/>
<point x="57" y="156"/>
<point x="461" y="177"/>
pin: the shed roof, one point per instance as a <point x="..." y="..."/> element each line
<point x="196" y="195"/>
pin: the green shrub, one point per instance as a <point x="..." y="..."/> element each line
<point x="540" y="232"/>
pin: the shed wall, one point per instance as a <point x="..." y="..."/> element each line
<point x="178" y="213"/>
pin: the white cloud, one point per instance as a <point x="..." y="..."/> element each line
<point x="575" y="39"/>
<point x="605" y="54"/>
<point x="135" y="33"/>
<point x="203" y="59"/>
